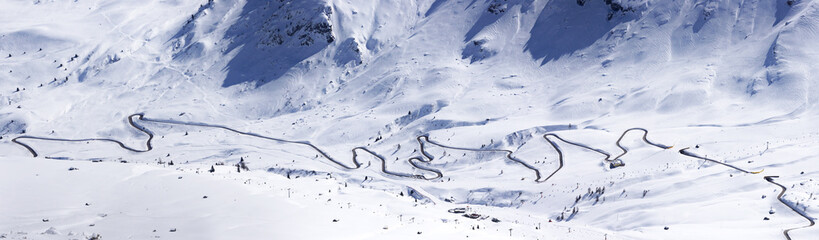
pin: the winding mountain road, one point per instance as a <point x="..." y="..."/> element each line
<point x="782" y="193"/>
<point x="149" y="147"/>
<point x="414" y="161"/>
<point x="608" y="155"/>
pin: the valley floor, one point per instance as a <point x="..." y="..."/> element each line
<point x="43" y="199"/>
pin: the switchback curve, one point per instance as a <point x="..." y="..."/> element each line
<point x="782" y="193"/>
<point x="414" y="161"/>
<point x="608" y="156"/>
<point x="425" y="158"/>
<point x="148" y="146"/>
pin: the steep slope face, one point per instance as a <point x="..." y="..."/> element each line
<point x="670" y="57"/>
<point x="260" y="59"/>
<point x="84" y="63"/>
<point x="266" y="40"/>
<point x="676" y="58"/>
<point x="298" y="51"/>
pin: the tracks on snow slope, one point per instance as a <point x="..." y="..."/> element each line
<point x="608" y="156"/>
<point x="149" y="147"/>
<point x="782" y="193"/>
<point x="425" y="158"/>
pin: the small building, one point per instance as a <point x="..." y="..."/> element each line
<point x="616" y="163"/>
<point x="457" y="210"/>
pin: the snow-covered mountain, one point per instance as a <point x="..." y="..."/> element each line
<point x="454" y="84"/>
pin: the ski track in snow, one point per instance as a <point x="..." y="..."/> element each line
<point x="803" y="214"/>
<point x="356" y="164"/>
<point x="426" y="156"/>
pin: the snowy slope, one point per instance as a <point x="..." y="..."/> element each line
<point x="732" y="80"/>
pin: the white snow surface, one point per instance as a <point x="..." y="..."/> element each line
<point x="731" y="80"/>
